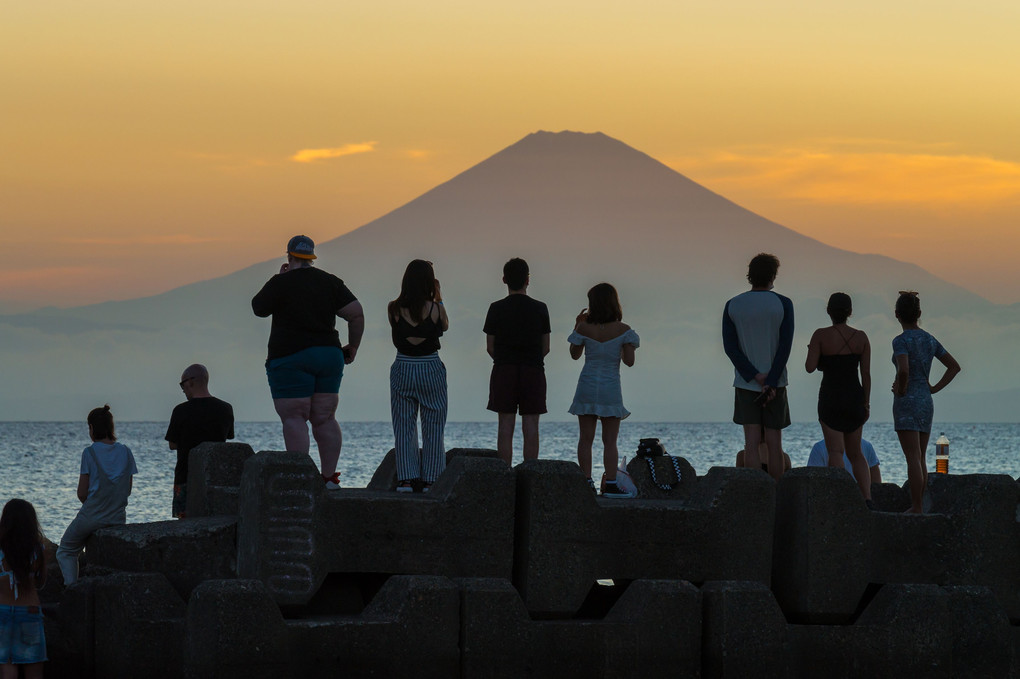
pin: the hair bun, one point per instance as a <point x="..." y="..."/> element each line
<point x="106" y="407"/>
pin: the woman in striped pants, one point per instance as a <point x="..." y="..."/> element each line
<point x="418" y="377"/>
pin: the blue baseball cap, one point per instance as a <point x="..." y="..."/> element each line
<point x="301" y="247"/>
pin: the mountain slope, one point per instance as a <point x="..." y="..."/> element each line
<point x="581" y="208"/>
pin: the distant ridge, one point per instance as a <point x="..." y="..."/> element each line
<point x="581" y="208"/>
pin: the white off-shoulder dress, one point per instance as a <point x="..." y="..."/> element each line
<point x="598" y="387"/>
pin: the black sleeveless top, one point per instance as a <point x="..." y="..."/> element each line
<point x="427" y="329"/>
<point x="841" y="396"/>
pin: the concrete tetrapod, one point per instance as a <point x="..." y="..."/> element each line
<point x="653" y="629"/>
<point x="214" y="475"/>
<point x="909" y="631"/>
<point x="566" y="538"/>
<point x="385" y="476"/>
<point x="119" y="625"/>
<point x="186" y="552"/>
<point x="829" y="548"/>
<point x="922" y="631"/>
<point x="292" y="532"/>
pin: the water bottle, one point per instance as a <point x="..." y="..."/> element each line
<point x="942" y="454"/>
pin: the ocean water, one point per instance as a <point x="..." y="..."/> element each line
<point x="40" y="461"/>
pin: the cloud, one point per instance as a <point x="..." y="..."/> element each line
<point x="418" y="154"/>
<point x="859" y="172"/>
<point x="312" y="155"/>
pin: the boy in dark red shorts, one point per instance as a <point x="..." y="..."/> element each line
<point x="517" y="337"/>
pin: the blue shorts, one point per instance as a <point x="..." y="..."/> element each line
<point x="315" y="370"/>
<point x="22" y="639"/>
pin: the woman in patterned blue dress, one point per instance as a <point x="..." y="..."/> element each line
<point x="913" y="351"/>
<point x="604" y="339"/>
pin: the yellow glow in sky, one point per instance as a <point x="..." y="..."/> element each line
<point x="148" y="145"/>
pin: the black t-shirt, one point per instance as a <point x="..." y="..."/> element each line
<point x="303" y="303"/>
<point x="518" y="323"/>
<point x="198" y="421"/>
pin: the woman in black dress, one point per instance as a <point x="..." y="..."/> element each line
<point x="840" y="351"/>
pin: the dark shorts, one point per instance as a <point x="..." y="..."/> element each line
<point x="517" y="388"/>
<point x="315" y="370"/>
<point x="747" y="409"/>
<point x="22" y="639"/>
<point x="180" y="501"/>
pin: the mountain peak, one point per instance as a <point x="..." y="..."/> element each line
<point x="572" y="142"/>
<point x="564" y="136"/>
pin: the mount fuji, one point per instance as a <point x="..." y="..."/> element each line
<point x="581" y="208"/>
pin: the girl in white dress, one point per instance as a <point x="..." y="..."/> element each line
<point x="604" y="339"/>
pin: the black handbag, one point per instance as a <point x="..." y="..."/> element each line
<point x="649" y="449"/>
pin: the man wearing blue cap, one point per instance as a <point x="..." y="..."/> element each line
<point x="306" y="359"/>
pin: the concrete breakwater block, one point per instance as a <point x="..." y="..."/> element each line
<point x="292" y="532"/>
<point x="744" y="631"/>
<point x="909" y="631"/>
<point x="411" y="628"/>
<point x="120" y="625"/>
<point x="904" y="631"/>
<point x="135" y="625"/>
<point x="385" y="476"/>
<point x="829" y="547"/>
<point x="214" y="476"/>
<point x="652" y="630"/>
<point x="186" y="552"/>
<point x="235" y="629"/>
<point x="566" y="538"/>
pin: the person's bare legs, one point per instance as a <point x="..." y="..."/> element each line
<point x="10" y="671"/>
<point x="910" y="442"/>
<point x="752" y="437"/>
<point x="610" y="453"/>
<point x="862" y="472"/>
<point x="294" y="414"/>
<point x="529" y="428"/>
<point x="505" y="437"/>
<point x="922" y="443"/>
<point x="586" y="425"/>
<point x="834" y="445"/>
<point x="326" y="431"/>
<point x="774" y="441"/>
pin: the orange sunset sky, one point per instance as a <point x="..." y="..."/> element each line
<point x="146" y="145"/>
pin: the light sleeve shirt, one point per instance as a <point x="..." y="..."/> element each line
<point x="757" y="332"/>
<point x="819" y="456"/>
<point x="116" y="460"/>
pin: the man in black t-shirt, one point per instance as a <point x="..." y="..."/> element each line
<point x="201" y="418"/>
<point x="306" y="358"/>
<point x="517" y="337"/>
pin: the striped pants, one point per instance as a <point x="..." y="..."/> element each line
<point x="418" y="383"/>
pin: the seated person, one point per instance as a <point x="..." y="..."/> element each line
<point x="819" y="457"/>
<point x="763" y="451"/>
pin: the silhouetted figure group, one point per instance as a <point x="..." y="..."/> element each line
<point x="758" y="335"/>
<point x="306" y="360"/>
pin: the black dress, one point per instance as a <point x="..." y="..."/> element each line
<point x="841" y="396"/>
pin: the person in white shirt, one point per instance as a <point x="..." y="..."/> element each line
<point x="819" y="457"/>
